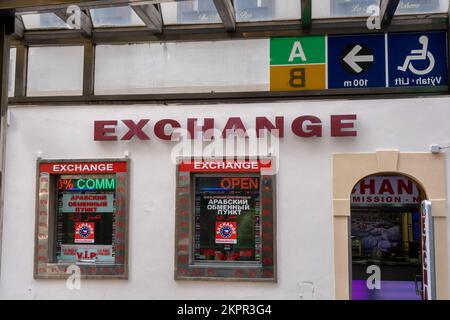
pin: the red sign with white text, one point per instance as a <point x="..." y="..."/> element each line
<point x="224" y="166"/>
<point x="83" y="167"/>
<point x="84" y="232"/>
<point x="226" y="232"/>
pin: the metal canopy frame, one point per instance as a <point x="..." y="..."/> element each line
<point x="155" y="30"/>
<point x="37" y="5"/>
<point x="387" y="11"/>
<point x="151" y="15"/>
<point x="85" y="27"/>
<point x="306" y="6"/>
<point x="227" y="13"/>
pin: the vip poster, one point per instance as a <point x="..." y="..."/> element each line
<point x="87" y="253"/>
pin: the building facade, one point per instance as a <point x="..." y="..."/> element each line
<point x="287" y="166"/>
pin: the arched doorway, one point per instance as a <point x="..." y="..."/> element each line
<point x="426" y="168"/>
<point x="386" y="238"/>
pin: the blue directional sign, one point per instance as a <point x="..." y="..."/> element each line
<point x="418" y="59"/>
<point x="356" y="61"/>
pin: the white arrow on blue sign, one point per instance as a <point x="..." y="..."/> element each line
<point x="352" y="58"/>
<point x="356" y="61"/>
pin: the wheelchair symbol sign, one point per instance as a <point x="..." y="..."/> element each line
<point x="419" y="55"/>
<point x="417" y="59"/>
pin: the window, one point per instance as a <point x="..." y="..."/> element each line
<point x="225" y="220"/>
<point x="192" y="11"/>
<point x="12" y="72"/>
<point x="43" y="21"/>
<point x="81" y="218"/>
<point x="174" y="67"/>
<point x="115" y="16"/>
<point x="85" y="218"/>
<point x="352" y="8"/>
<point x="421" y="6"/>
<point x="55" y="71"/>
<point x="358" y="8"/>
<point x="266" y="10"/>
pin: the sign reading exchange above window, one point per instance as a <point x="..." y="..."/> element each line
<point x="223" y="166"/>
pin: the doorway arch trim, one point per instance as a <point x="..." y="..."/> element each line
<point x="426" y="169"/>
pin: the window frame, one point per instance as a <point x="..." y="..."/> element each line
<point x="187" y="268"/>
<point x="45" y="229"/>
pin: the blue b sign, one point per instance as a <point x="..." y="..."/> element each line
<point x="356" y="61"/>
<point x="417" y="59"/>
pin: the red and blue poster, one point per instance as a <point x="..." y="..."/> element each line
<point x="84" y="232"/>
<point x="226" y="232"/>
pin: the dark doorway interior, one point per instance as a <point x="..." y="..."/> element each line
<point x="390" y="239"/>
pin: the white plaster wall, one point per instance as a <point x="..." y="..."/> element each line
<point x="304" y="191"/>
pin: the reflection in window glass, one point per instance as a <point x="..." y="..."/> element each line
<point x="355" y="8"/>
<point x="347" y="8"/>
<point x="421" y="6"/>
<point x="115" y="16"/>
<point x="12" y="72"/>
<point x="227" y="219"/>
<point x="260" y="10"/>
<point x="55" y="71"/>
<point x="189" y="12"/>
<point x="43" y="21"/>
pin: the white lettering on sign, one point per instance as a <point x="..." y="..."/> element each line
<point x="297" y="52"/>
<point x="377" y="190"/>
<point x="91" y="203"/>
<point x="104" y="167"/>
<point x="213" y="165"/>
<point x="230" y="206"/>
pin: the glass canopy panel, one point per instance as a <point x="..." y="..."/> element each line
<point x="190" y="12"/>
<point x="43" y="21"/>
<point x="12" y="72"/>
<point x="182" y="67"/>
<point x="55" y="71"/>
<point x="266" y="10"/>
<point x="421" y="6"/>
<point x="342" y="8"/>
<point x="115" y="17"/>
<point x="358" y="8"/>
